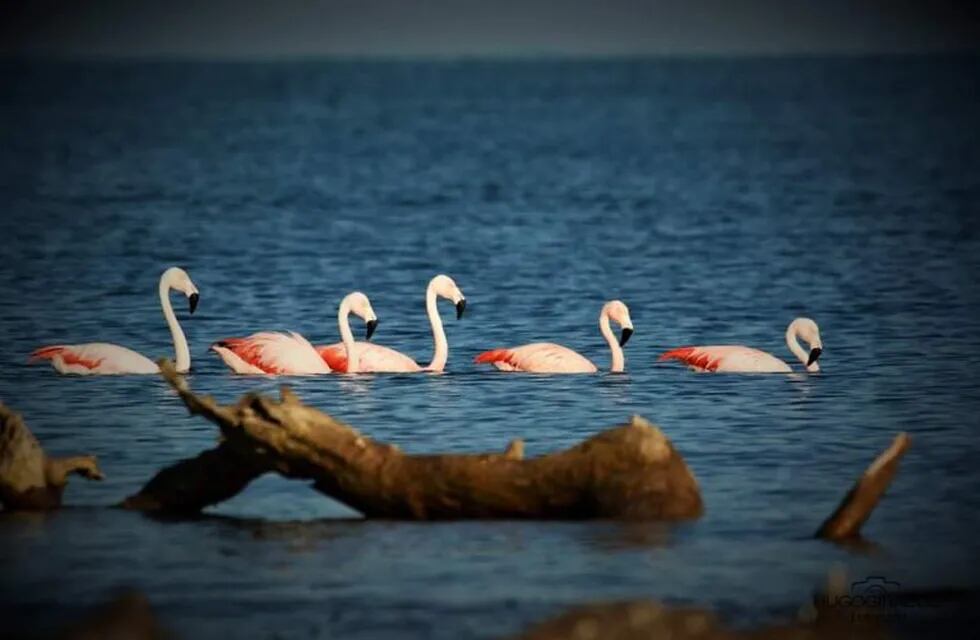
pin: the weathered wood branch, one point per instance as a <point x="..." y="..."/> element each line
<point x="822" y="618"/>
<point x="646" y="619"/>
<point x="128" y="616"/>
<point x="29" y="479"/>
<point x="190" y="485"/>
<point x="627" y="472"/>
<point x="846" y="521"/>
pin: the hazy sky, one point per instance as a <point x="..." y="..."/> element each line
<point x="290" y="28"/>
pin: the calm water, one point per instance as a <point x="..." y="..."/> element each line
<point x="718" y="199"/>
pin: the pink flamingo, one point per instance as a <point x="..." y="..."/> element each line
<point x="100" y="358"/>
<point x="290" y="353"/>
<point x="379" y="359"/>
<point x="547" y="357"/>
<point x="739" y="359"/>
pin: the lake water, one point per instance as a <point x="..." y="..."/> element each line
<point x="718" y="199"/>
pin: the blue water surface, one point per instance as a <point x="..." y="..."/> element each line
<point x="718" y="199"/>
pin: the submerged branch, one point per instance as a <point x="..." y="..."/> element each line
<point x="846" y="521"/>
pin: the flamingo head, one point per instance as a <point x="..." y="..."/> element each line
<point x="618" y="312"/>
<point x="808" y="331"/>
<point x="445" y="287"/>
<point x="176" y="278"/>
<point x="361" y="307"/>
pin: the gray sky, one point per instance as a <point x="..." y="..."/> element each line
<point x="310" y="28"/>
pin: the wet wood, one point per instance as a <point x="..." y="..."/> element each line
<point x="627" y="472"/>
<point x="646" y="619"/>
<point x="130" y="616"/>
<point x="628" y="620"/>
<point x="29" y="478"/>
<point x="126" y="617"/>
<point x="846" y="521"/>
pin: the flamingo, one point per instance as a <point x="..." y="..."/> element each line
<point x="547" y="357"/>
<point x="739" y="359"/>
<point x="270" y="352"/>
<point x="380" y="359"/>
<point x="101" y="358"/>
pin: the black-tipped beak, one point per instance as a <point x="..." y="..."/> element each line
<point x="371" y="326"/>
<point x="625" y="336"/>
<point x="194" y="298"/>
<point x="814" y="355"/>
<point x="460" y="308"/>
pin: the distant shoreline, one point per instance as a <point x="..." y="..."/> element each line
<point x="546" y="58"/>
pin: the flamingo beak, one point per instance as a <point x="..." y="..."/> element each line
<point x="371" y="326"/>
<point x="194" y="298"/>
<point x="814" y="355"/>
<point x="625" y="336"/>
<point x="460" y="308"/>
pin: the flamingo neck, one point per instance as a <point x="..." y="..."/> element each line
<point x="793" y="343"/>
<point x="346" y="336"/>
<point x="180" y="340"/>
<point x="618" y="360"/>
<point x="440" y="344"/>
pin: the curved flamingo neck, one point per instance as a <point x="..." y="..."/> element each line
<point x="180" y="340"/>
<point x="440" y="344"/>
<point x="792" y="341"/>
<point x="618" y="360"/>
<point x="346" y="336"/>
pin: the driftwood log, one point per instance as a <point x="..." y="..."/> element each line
<point x="627" y="472"/>
<point x="832" y="613"/>
<point x="819" y="619"/>
<point x="128" y="616"/>
<point x="29" y="478"/>
<point x="648" y="619"/>
<point x="846" y="521"/>
<point x="829" y="615"/>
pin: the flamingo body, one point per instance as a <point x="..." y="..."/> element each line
<point x="95" y="358"/>
<point x="269" y="352"/>
<point x="548" y="357"/>
<point x="739" y="359"/>
<point x="538" y="357"/>
<point x="101" y="358"/>
<point x="373" y="358"/>
<point x="275" y="353"/>
<point x="727" y="358"/>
